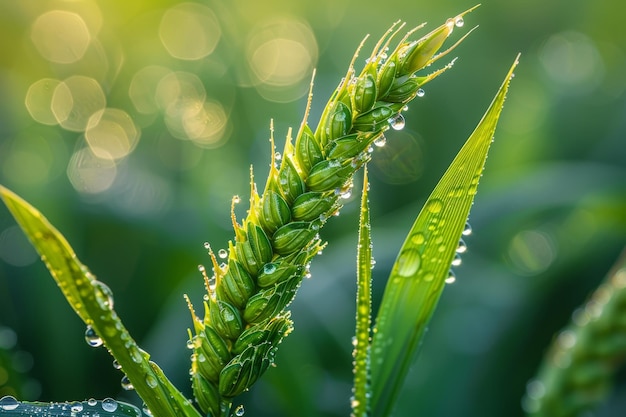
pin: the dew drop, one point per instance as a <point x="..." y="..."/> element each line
<point x="397" y="122"/>
<point x="418" y="238"/>
<point x="8" y="403"/>
<point x="458" y="22"/>
<point x="408" y="263"/>
<point x="457" y="260"/>
<point x="451" y="277"/>
<point x="92" y="401"/>
<point x="421" y="93"/>
<point x="239" y="411"/>
<point x="116" y="365"/>
<point x="462" y="248"/>
<point x="109" y="404"/>
<point x="126" y="384"/>
<point x="467" y="230"/>
<point x="107" y="302"/>
<point x="76" y="407"/>
<point x="191" y="343"/>
<point x="207" y="245"/>
<point x="201" y="268"/>
<point x="380" y="141"/>
<point x="434" y="206"/>
<point x="92" y="338"/>
<point x="373" y="262"/>
<point x="222" y="253"/>
<point x="151" y="381"/>
<point x="146" y="410"/>
<point x="429" y="276"/>
<point x="278" y="156"/>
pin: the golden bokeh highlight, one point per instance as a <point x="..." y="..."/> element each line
<point x="39" y="101"/>
<point x="89" y="173"/>
<point x="143" y="87"/>
<point x="206" y="128"/>
<point x="189" y="31"/>
<point x="111" y="134"/>
<point x="281" y="55"/>
<point x="74" y="101"/>
<point x="60" y="36"/>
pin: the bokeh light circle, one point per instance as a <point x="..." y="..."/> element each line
<point x="89" y="173"/>
<point x="74" y="101"/>
<point x="111" y="134"/>
<point x="39" y="101"/>
<point x="60" y="36"/>
<point x="143" y="86"/>
<point x="189" y="31"/>
<point x="280" y="54"/>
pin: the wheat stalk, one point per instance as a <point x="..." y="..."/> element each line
<point x="245" y="317"/>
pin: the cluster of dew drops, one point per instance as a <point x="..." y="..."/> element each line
<point x="94" y="340"/>
<point x="91" y="407"/>
<point x="460" y="249"/>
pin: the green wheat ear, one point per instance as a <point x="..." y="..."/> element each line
<point x="577" y="371"/>
<point x="244" y="309"/>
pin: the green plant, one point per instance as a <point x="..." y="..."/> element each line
<point x="245" y="315"/>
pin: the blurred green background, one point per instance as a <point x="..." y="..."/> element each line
<point x="131" y="124"/>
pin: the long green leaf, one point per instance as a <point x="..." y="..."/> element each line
<point x="93" y="302"/>
<point x="360" y="400"/>
<point x="423" y="264"/>
<point x="108" y="407"/>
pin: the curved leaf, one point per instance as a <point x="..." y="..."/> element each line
<point x="108" y="407"/>
<point x="93" y="302"/>
<point x="423" y="263"/>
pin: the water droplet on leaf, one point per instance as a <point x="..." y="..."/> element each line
<point x="418" y="238"/>
<point x="421" y="93"/>
<point x="397" y="122"/>
<point x="239" y="411"/>
<point x="222" y="253"/>
<point x="458" y="22"/>
<point x="457" y="260"/>
<point x="92" y="402"/>
<point x="462" y="248"/>
<point x="151" y="381"/>
<point x="8" y="403"/>
<point x="76" y="407"/>
<point x="451" y="277"/>
<point x="109" y="404"/>
<point x="126" y="384"/>
<point x="116" y="365"/>
<point x="467" y="230"/>
<point x="380" y="141"/>
<point x="92" y="338"/>
<point x="434" y="206"/>
<point x="408" y="263"/>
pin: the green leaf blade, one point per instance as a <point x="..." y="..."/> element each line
<point x="93" y="303"/>
<point x="360" y="400"/>
<point x="418" y="276"/>
<point x="9" y="406"/>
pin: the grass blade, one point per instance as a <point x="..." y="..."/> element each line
<point x="360" y="400"/>
<point x="93" y="303"/>
<point x="9" y="406"/>
<point x="419" y="273"/>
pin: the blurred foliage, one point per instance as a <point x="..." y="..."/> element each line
<point x="132" y="124"/>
